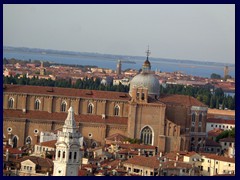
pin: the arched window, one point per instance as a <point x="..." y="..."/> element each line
<point x="193" y="117"/>
<point x="75" y="156"/>
<point x="146" y="135"/>
<point x="59" y="154"/>
<point x="63" y="154"/>
<point x="28" y="140"/>
<point x="37" y="104"/>
<point x="15" y="141"/>
<point x="116" y="110"/>
<point x="70" y="155"/>
<point x="90" y="108"/>
<point x="10" y="103"/>
<point x="63" y="106"/>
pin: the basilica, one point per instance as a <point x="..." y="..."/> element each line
<point x="168" y="122"/>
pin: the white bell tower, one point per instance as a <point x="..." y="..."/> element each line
<point x="67" y="156"/>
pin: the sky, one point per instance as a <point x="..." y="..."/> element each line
<point x="204" y="32"/>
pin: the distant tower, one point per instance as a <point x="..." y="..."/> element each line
<point x="226" y="71"/>
<point x="67" y="156"/>
<point x="119" y="67"/>
<point x="42" y="69"/>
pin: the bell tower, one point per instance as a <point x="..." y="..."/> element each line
<point x="67" y="156"/>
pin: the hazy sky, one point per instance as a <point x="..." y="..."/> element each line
<point x="194" y="32"/>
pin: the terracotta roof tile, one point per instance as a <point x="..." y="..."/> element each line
<point x="82" y="93"/>
<point x="227" y="140"/>
<point x="43" y="115"/>
<point x="116" y="137"/>
<point x="151" y="162"/>
<point x="210" y="142"/>
<point x="49" y="143"/>
<point x="175" y="165"/>
<point x="43" y="162"/>
<point x="180" y="100"/>
<point x="220" y="121"/>
<point x="215" y="132"/>
<point x="12" y="150"/>
<point x="136" y="146"/>
<point x="216" y="157"/>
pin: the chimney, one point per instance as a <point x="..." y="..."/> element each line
<point x="10" y="139"/>
<point x="139" y="152"/>
<point x="177" y="156"/>
<point x="7" y="155"/>
<point x="160" y="154"/>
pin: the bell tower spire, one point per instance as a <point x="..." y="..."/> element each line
<point x="67" y="156"/>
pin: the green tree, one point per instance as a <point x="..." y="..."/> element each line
<point x="215" y="76"/>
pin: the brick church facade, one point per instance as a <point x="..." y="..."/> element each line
<point x="170" y="122"/>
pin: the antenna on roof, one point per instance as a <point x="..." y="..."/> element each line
<point x="148" y="52"/>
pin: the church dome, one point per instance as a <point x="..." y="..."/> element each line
<point x="146" y="80"/>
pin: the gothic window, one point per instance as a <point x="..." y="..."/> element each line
<point x="146" y="135"/>
<point x="28" y="140"/>
<point x="70" y="155"/>
<point x="63" y="106"/>
<point x="37" y="104"/>
<point x="10" y="103"/>
<point x="116" y="110"/>
<point x="193" y="117"/>
<point x="143" y="96"/>
<point x="90" y="108"/>
<point x="15" y="141"/>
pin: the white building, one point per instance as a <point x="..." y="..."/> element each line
<point x="67" y="156"/>
<point x="213" y="123"/>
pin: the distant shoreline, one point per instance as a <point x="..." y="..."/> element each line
<point x="130" y="59"/>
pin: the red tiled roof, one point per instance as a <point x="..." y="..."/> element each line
<point x="82" y="172"/>
<point x="175" y="165"/>
<point x="220" y="158"/>
<point x="215" y="132"/>
<point x="49" y="143"/>
<point x="210" y="142"/>
<point x="227" y="140"/>
<point x="60" y="116"/>
<point x="220" y="121"/>
<point x="136" y="146"/>
<point x="126" y="151"/>
<point x="190" y="154"/>
<point x="151" y="162"/>
<point x="12" y="150"/>
<point x="116" y="137"/>
<point x="180" y="100"/>
<point x="42" y="162"/>
<point x="66" y="92"/>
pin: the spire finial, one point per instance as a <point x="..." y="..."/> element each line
<point x="148" y="52"/>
